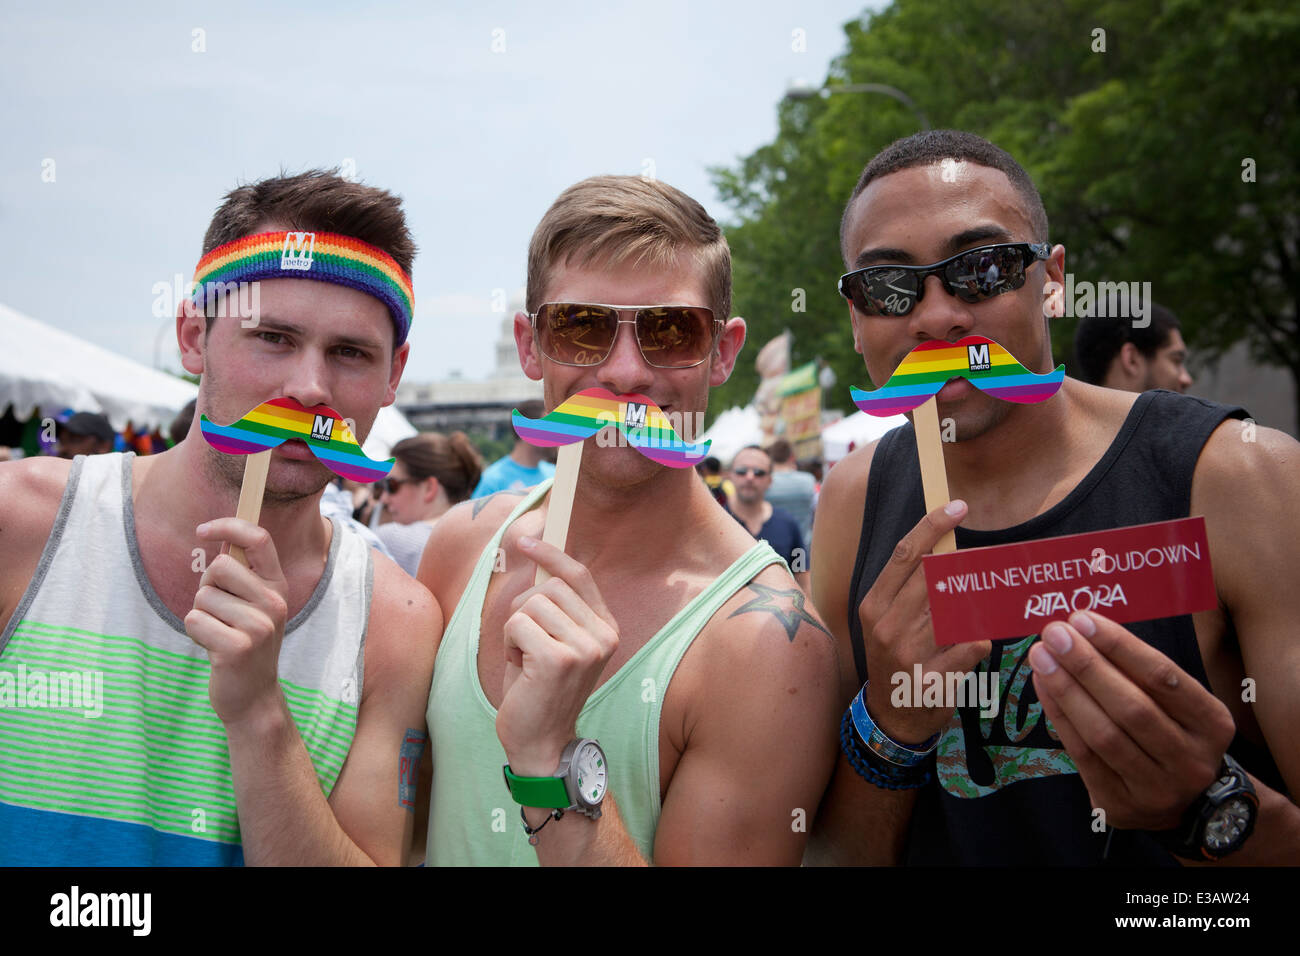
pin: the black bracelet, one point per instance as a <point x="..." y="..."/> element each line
<point x="531" y="831"/>
<point x="874" y="769"/>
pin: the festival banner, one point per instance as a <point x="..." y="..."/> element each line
<point x="801" y="411"/>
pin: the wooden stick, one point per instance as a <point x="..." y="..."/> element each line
<point x="250" y="495"/>
<point x="560" y="505"/>
<point x="934" y="474"/>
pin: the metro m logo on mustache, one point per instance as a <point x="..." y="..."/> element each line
<point x="273" y="423"/>
<point x="922" y="375"/>
<point x="637" y="418"/>
<point x="981" y="361"/>
<point x="269" y="426"/>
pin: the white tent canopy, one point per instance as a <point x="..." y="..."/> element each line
<point x="44" y="366"/>
<point x="857" y="430"/>
<point x="389" y="428"/>
<point x="731" y="431"/>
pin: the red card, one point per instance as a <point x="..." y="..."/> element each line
<point x="1138" y="573"/>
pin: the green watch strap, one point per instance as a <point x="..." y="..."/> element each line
<point x="546" y="792"/>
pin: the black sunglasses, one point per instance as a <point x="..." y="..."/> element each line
<point x="756" y="472"/>
<point x="669" y="336"/>
<point x="972" y="276"/>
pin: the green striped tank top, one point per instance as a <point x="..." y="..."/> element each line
<point x="110" y="751"/>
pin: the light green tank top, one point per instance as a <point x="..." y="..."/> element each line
<point x="472" y="820"/>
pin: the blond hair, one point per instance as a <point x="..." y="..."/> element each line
<point x="616" y="219"/>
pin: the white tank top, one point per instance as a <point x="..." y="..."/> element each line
<point x="110" y="752"/>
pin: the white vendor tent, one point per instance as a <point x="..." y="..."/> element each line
<point x="731" y="431"/>
<point x="857" y="430"/>
<point x="42" y="365"/>
<point x="389" y="428"/>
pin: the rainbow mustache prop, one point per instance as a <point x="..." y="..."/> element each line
<point x="638" y="419"/>
<point x="273" y="423"/>
<point x="982" y="362"/>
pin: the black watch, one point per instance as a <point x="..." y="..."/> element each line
<point x="1219" y="821"/>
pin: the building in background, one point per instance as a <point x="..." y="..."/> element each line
<point x="481" y="409"/>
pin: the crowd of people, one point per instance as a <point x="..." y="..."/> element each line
<point x="702" y="673"/>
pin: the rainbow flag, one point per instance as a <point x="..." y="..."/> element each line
<point x="637" y="418"/>
<point x="981" y="361"/>
<point x="281" y="419"/>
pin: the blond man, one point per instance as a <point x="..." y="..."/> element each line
<point x="667" y="635"/>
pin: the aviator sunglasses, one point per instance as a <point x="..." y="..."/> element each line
<point x="669" y="336"/>
<point x="972" y="276"/>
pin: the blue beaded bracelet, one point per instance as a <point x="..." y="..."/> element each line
<point x="875" y="771"/>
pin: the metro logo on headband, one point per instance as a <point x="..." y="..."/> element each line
<point x="981" y="361"/>
<point x="320" y="256"/>
<point x="273" y="423"/>
<point x="637" y="418"/>
<point x="293" y="256"/>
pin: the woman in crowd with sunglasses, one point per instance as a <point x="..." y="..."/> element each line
<point x="432" y="473"/>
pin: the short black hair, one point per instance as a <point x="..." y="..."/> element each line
<point x="934" y="146"/>
<point x="1098" y="339"/>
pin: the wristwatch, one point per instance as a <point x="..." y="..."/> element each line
<point x="1220" y="819"/>
<point x="579" y="783"/>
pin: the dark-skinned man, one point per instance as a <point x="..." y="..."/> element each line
<point x="1130" y="720"/>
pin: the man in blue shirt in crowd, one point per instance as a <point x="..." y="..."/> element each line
<point x="751" y="473"/>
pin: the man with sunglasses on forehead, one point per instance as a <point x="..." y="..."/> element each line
<point x="946" y="237"/>
<point x="667" y="695"/>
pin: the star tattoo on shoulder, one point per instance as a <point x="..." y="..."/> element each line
<point x="786" y="606"/>
<point x="481" y="503"/>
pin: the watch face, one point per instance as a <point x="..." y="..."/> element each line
<point x="1226" y="828"/>
<point x="589" y="772"/>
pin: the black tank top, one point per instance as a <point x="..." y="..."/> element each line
<point x="1005" y="790"/>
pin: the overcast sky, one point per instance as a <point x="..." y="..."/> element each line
<point x="478" y="114"/>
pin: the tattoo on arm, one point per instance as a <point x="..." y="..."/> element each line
<point x="786" y="606"/>
<point x="408" y="767"/>
<point x="481" y="503"/>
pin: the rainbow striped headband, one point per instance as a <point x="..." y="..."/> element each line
<point x="982" y="362"/>
<point x="638" y="419"/>
<point x="324" y="256"/>
<point x="273" y="423"/>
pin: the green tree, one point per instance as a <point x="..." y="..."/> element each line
<point x="1142" y="123"/>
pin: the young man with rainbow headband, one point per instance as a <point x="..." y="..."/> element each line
<point x="666" y="635"/>
<point x="1147" y="722"/>
<point x="258" y="712"/>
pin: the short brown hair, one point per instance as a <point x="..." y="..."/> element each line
<point x="319" y="200"/>
<point x="452" y="459"/>
<point x="617" y="219"/>
<point x="780" y="451"/>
